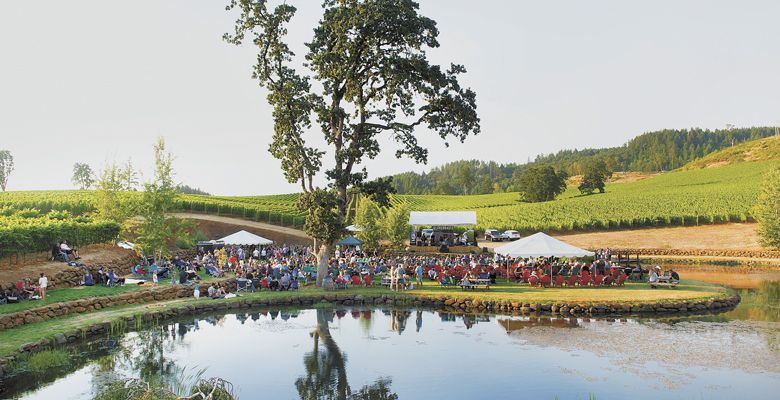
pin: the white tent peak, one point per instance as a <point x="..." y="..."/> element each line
<point x="541" y="245"/>
<point x="443" y="218"/>
<point x="245" y="238"/>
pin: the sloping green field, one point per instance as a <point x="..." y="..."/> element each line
<point x="683" y="197"/>
<point x="702" y="196"/>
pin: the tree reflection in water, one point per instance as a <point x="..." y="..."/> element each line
<point x="326" y="370"/>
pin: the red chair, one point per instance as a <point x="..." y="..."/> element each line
<point x="368" y="280"/>
<point x="621" y="281"/>
<point x="585" y="279"/>
<point x="356" y="280"/>
<point x="526" y="276"/>
<point x="265" y="283"/>
<point x="572" y="281"/>
<point x="559" y="280"/>
<point x="533" y="281"/>
<point x="598" y="280"/>
<point x="546" y="280"/>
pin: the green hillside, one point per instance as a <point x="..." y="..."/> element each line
<point x="754" y="150"/>
<point x="690" y="196"/>
<point x="658" y="151"/>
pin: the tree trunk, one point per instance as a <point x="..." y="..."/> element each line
<point x="323" y="254"/>
<point x="335" y="356"/>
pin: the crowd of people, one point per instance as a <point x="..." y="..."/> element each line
<point x="286" y="267"/>
<point x="25" y="289"/>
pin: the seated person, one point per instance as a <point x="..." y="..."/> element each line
<point x="88" y="279"/>
<point x="273" y="284"/>
<point x="183" y="277"/>
<point x="69" y="251"/>
<point x="654" y="274"/>
<point x="674" y="275"/>
<point x="286" y="281"/>
<point x="100" y="278"/>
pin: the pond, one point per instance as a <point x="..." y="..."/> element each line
<point x="375" y="353"/>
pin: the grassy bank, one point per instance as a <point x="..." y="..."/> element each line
<point x="634" y="293"/>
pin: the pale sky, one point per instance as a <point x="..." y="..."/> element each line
<point x="99" y="81"/>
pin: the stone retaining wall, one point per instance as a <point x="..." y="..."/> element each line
<point x="701" y="253"/>
<point x="72" y="276"/>
<point x="159" y="293"/>
<point x="445" y="303"/>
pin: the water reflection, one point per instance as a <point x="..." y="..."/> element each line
<point x="365" y="353"/>
<point x="326" y="372"/>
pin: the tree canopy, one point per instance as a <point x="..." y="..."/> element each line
<point x="83" y="177"/>
<point x="6" y="167"/>
<point x="594" y="176"/>
<point x="542" y="183"/>
<point x="373" y="77"/>
<point x="767" y="210"/>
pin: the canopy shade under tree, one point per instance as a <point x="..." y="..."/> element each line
<point x="541" y="245"/>
<point x="349" y="241"/>
<point x="245" y="238"/>
<point x="442" y="218"/>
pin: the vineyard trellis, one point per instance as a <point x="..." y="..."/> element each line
<point x="30" y="221"/>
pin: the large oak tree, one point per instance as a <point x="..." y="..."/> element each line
<point x="373" y="79"/>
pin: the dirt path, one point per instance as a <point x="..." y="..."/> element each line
<point x="246" y="223"/>
<point x="720" y="237"/>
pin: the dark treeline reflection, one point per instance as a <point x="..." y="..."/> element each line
<point x="326" y="368"/>
<point x="148" y="354"/>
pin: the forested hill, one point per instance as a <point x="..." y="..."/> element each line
<point x="650" y="152"/>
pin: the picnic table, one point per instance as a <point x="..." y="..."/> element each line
<point x="664" y="281"/>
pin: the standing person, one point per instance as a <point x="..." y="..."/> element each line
<point x="154" y="278"/>
<point x="419" y="273"/>
<point x="43" y="283"/>
<point x="393" y="279"/>
<point x="196" y="292"/>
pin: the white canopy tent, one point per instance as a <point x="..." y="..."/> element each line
<point x="443" y="218"/>
<point x="541" y="245"/>
<point x="245" y="238"/>
<point x="354" y="228"/>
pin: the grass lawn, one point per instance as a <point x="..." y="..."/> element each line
<point x="631" y="292"/>
<point x="67" y="294"/>
<point x="12" y="339"/>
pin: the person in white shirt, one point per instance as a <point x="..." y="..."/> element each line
<point x="67" y="250"/>
<point x="654" y="276"/>
<point x="43" y="283"/>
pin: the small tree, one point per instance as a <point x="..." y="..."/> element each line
<point x="368" y="217"/>
<point x="158" y="228"/>
<point x="396" y="224"/>
<point x="594" y="177"/>
<point x="6" y="167"/>
<point x="767" y="211"/>
<point x="83" y="177"/>
<point x="112" y="201"/>
<point x="541" y="183"/>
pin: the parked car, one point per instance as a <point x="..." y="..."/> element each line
<point x="510" y="235"/>
<point x="492" y="235"/>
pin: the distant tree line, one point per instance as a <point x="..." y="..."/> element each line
<point x="650" y="152"/>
